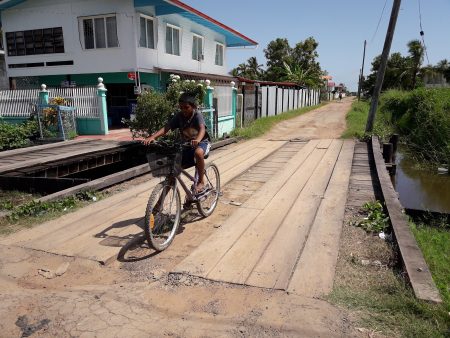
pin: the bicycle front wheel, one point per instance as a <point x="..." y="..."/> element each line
<point x="162" y="216"/>
<point x="207" y="203"/>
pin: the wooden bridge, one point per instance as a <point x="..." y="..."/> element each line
<point x="285" y="236"/>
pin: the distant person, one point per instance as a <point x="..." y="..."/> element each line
<point x="340" y="96"/>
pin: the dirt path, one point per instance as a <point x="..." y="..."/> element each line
<point x="135" y="296"/>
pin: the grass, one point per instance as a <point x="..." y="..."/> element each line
<point x="392" y="309"/>
<point x="30" y="213"/>
<point x="434" y="243"/>
<point x="356" y="120"/>
<point x="263" y="125"/>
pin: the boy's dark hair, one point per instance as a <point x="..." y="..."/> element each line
<point x="188" y="98"/>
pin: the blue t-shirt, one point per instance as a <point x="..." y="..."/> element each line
<point x="189" y="127"/>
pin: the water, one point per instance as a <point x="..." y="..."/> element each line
<point x="421" y="189"/>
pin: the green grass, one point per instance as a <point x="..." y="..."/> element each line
<point x="263" y="125"/>
<point x="357" y="119"/>
<point x="392" y="309"/>
<point x="435" y="245"/>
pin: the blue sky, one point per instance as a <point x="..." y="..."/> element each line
<point x="340" y="27"/>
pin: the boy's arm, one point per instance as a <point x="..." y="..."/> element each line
<point x="163" y="131"/>
<point x="199" y="138"/>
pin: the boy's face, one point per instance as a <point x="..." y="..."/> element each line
<point x="186" y="109"/>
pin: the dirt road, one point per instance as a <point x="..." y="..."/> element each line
<point x="136" y="296"/>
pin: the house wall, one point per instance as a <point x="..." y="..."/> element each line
<point x="125" y="58"/>
<point x="64" y="13"/>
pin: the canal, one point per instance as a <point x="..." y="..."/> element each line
<point x="421" y="189"/>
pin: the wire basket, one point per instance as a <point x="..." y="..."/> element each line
<point x="164" y="165"/>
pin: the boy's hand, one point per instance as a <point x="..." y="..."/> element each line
<point x="148" y="140"/>
<point x="195" y="143"/>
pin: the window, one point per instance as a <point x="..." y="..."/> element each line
<point x="172" y="40"/>
<point x="37" y="41"/>
<point x="100" y="32"/>
<point x="219" y="54"/>
<point x="147" y="36"/>
<point x="197" y="48"/>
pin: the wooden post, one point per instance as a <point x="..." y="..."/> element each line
<point x="394" y="140"/>
<point x="387" y="152"/>
<point x="383" y="64"/>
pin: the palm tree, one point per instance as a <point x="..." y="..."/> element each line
<point x="254" y="70"/>
<point x="416" y="51"/>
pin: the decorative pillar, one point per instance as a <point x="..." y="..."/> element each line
<point x="43" y="95"/>
<point x="233" y="102"/>
<point x="209" y="105"/>
<point x="102" y="108"/>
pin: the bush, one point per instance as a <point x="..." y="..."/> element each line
<point x="422" y="116"/>
<point x="154" y="109"/>
<point x="14" y="136"/>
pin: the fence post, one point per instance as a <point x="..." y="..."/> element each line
<point x="233" y="102"/>
<point x="102" y="108"/>
<point x="209" y="105"/>
<point x="43" y="95"/>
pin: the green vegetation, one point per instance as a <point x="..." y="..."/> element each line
<point x="13" y="136"/>
<point x="422" y="118"/>
<point x="154" y="109"/>
<point x="434" y="244"/>
<point x="376" y="220"/>
<point x="31" y="212"/>
<point x="263" y="125"/>
<point x="390" y="307"/>
<point x="356" y="120"/>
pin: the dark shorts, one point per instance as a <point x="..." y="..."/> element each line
<point x="188" y="159"/>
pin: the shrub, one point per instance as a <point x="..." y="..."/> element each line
<point x="422" y="116"/>
<point x="14" y="136"/>
<point x="154" y="109"/>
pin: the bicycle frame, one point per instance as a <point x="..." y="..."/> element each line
<point x="194" y="179"/>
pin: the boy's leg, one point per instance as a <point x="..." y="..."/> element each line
<point x="200" y="152"/>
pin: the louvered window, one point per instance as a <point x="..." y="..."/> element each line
<point x="37" y="41"/>
<point x="147" y="35"/>
<point x="100" y="32"/>
<point x="172" y="40"/>
<point x="197" y="47"/>
<point x="219" y="54"/>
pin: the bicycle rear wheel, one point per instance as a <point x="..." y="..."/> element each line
<point x="162" y="216"/>
<point x="207" y="203"/>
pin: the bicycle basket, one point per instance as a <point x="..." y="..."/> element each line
<point x="164" y="165"/>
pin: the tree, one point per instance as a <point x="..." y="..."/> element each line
<point x="277" y="53"/>
<point x="415" y="50"/>
<point x="250" y="70"/>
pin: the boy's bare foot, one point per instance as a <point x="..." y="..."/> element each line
<point x="200" y="187"/>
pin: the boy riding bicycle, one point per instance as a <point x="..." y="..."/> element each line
<point x="191" y="125"/>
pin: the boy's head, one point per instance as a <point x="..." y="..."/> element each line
<point x="187" y="104"/>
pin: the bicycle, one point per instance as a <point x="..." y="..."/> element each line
<point x="161" y="225"/>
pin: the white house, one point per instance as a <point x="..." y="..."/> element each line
<point x="127" y="42"/>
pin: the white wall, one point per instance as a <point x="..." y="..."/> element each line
<point x="127" y="57"/>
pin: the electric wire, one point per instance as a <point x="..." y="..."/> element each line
<point x="422" y="33"/>
<point x="379" y="21"/>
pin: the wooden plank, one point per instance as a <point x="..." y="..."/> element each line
<point x="206" y="256"/>
<point x="324" y="144"/>
<point x="323" y="240"/>
<point x="275" y="267"/>
<point x="240" y="260"/>
<point x="266" y="192"/>
<point x="413" y="260"/>
<point x="9" y="153"/>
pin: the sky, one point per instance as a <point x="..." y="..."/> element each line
<point x="340" y="27"/>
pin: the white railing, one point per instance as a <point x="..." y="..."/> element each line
<point x="21" y="102"/>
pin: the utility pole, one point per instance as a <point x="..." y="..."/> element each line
<point x="382" y="69"/>
<point x="362" y="71"/>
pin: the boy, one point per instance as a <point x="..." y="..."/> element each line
<point x="192" y="128"/>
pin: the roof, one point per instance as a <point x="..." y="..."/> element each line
<point x="164" y="7"/>
<point x="201" y="76"/>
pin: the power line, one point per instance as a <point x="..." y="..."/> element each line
<point x="422" y="33"/>
<point x="379" y="21"/>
